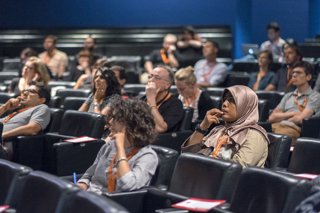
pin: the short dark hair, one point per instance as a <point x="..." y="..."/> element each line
<point x="273" y="25"/>
<point x="122" y="71"/>
<point x="307" y="67"/>
<point x="43" y="91"/>
<point x="295" y="47"/>
<point x="136" y="116"/>
<point x="54" y="38"/>
<point x="214" y="43"/>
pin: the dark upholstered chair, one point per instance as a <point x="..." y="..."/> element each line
<point x="74" y="124"/>
<point x="86" y="202"/>
<point x="265" y="191"/>
<point x="236" y="78"/>
<point x="55" y="102"/>
<point x="194" y="176"/>
<point x="263" y="106"/>
<point x="215" y="91"/>
<point x="134" y="89"/>
<point x="167" y="161"/>
<point x="311" y="128"/>
<point x="266" y="125"/>
<point x="273" y="97"/>
<point x="73" y="103"/>
<point x="217" y="103"/>
<point x="279" y="151"/>
<point x="186" y="122"/>
<point x="36" y="192"/>
<point x="9" y="171"/>
<point x="305" y="157"/>
<point x="63" y="93"/>
<point x="172" y="140"/>
<point x="28" y="150"/>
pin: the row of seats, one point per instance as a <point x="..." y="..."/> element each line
<point x="27" y="191"/>
<point x="245" y="190"/>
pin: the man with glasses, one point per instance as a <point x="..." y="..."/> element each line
<point x="295" y="106"/>
<point x="166" y="109"/>
<point x="28" y="113"/>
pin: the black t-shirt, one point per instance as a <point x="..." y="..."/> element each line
<point x="155" y="57"/>
<point x="172" y="112"/>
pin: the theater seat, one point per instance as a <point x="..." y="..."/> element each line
<point x="186" y="122"/>
<point x="278" y="151"/>
<point x="86" y="202"/>
<point x="193" y="176"/>
<point x="273" y="97"/>
<point x="305" y="157"/>
<point x="265" y="191"/>
<point x="311" y="128"/>
<point x="63" y="93"/>
<point x="9" y="171"/>
<point x="36" y="192"/>
<point x="263" y="107"/>
<point x="73" y="103"/>
<point x="172" y="140"/>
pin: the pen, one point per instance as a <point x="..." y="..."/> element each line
<point x="74" y="178"/>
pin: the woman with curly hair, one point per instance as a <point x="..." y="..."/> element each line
<point x="125" y="162"/>
<point x="105" y="84"/>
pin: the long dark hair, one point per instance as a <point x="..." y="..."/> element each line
<point x="113" y="86"/>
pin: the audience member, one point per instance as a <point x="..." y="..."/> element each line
<point x="166" y="109"/>
<point x="33" y="71"/>
<point x="29" y="113"/>
<point x="120" y="74"/>
<point x="89" y="44"/>
<point x="190" y="94"/>
<point x="105" y="85"/>
<point x="275" y="43"/>
<point x="261" y="79"/>
<point x="125" y="162"/>
<point x="83" y="66"/>
<point x="317" y="84"/>
<point x="240" y="138"/>
<point x="295" y="106"/>
<point x="26" y="53"/>
<point x="56" y="60"/>
<point x="189" y="47"/>
<point x="166" y="55"/>
<point x="85" y="80"/>
<point x="282" y="80"/>
<point x="208" y="71"/>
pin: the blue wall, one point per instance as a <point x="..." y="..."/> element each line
<point x="247" y="18"/>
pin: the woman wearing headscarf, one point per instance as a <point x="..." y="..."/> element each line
<point x="240" y="138"/>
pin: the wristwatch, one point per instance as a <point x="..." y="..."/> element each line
<point x="202" y="131"/>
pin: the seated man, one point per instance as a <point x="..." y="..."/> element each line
<point x="208" y="71"/>
<point x="166" y="109"/>
<point x="298" y="105"/>
<point x="30" y="114"/>
<point x="282" y="81"/>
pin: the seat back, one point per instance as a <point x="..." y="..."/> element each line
<point x="263" y="107"/>
<point x="172" y="140"/>
<point x="215" y="91"/>
<point x="75" y="123"/>
<point x="73" y="103"/>
<point x="69" y="157"/>
<point x="273" y="97"/>
<point x="311" y="128"/>
<point x="36" y="192"/>
<point x="203" y="177"/>
<point x="9" y="171"/>
<point x="305" y="157"/>
<point x="55" y="121"/>
<point x="264" y="191"/>
<point x="278" y="151"/>
<point x="236" y="78"/>
<point x="167" y="160"/>
<point x="187" y="119"/>
<point x="63" y="93"/>
<point x="87" y="202"/>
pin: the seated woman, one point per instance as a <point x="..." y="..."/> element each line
<point x="261" y="79"/>
<point x="105" y="84"/>
<point x="240" y="138"/>
<point x="190" y="95"/>
<point x="125" y="162"/>
<point x="33" y="71"/>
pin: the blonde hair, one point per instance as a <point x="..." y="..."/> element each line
<point x="41" y="69"/>
<point x="186" y="74"/>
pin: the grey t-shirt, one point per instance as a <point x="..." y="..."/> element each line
<point x="89" y="101"/>
<point x="39" y="114"/>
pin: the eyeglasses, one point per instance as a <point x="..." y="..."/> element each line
<point x="156" y="77"/>
<point x="27" y="91"/>
<point x="28" y="67"/>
